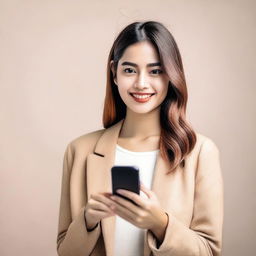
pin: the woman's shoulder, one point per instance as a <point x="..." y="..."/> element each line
<point x="205" y="143"/>
<point x="203" y="148"/>
<point x="85" y="141"/>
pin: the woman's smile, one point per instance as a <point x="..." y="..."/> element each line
<point x="142" y="98"/>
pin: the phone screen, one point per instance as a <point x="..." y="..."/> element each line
<point x="125" y="177"/>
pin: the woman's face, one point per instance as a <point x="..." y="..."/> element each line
<point x="139" y="72"/>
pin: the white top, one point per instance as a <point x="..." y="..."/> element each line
<point x="129" y="239"/>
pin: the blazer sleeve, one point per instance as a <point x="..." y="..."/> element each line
<point x="204" y="236"/>
<point x="73" y="238"/>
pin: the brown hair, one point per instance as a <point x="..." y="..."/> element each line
<point x="177" y="138"/>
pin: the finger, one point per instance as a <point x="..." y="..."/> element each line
<point x="97" y="205"/>
<point x="147" y="191"/>
<point x="125" y="203"/>
<point x="102" y="198"/>
<point x="107" y="194"/>
<point x="133" y="196"/>
<point x="123" y="212"/>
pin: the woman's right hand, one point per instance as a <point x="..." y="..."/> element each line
<point x="97" y="208"/>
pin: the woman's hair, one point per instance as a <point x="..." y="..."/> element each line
<point x="177" y="138"/>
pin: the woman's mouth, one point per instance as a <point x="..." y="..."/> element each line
<point x="141" y="98"/>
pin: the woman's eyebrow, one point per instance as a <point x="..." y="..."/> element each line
<point x="135" y="65"/>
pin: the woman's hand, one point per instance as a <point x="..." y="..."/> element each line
<point x="97" y="208"/>
<point x="147" y="215"/>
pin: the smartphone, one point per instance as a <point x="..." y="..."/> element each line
<point x="125" y="177"/>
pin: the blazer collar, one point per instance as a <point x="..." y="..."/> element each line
<point x="99" y="164"/>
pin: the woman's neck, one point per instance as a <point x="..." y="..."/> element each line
<point x="141" y="126"/>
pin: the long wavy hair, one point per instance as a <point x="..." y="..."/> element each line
<point x="177" y="137"/>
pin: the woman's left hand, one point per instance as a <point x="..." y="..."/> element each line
<point x="147" y="214"/>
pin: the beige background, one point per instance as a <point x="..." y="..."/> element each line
<point x="52" y="78"/>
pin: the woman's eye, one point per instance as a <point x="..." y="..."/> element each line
<point x="158" y="71"/>
<point x="129" y="69"/>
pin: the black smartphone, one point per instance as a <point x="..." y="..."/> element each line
<point x="125" y="177"/>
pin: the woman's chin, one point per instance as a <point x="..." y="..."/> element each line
<point x="141" y="110"/>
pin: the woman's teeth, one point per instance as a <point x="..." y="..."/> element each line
<point x="141" y="96"/>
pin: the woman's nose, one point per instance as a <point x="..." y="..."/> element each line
<point x="141" y="81"/>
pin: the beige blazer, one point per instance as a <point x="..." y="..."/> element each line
<point x="192" y="196"/>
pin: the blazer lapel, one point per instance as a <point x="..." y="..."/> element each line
<point x="99" y="165"/>
<point x="98" y="175"/>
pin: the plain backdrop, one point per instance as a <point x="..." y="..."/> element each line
<point x="53" y="57"/>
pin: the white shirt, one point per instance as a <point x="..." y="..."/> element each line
<point x="129" y="239"/>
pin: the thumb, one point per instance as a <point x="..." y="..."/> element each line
<point x="146" y="190"/>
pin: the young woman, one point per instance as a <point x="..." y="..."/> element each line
<point x="179" y="210"/>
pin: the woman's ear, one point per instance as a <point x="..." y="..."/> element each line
<point x="113" y="71"/>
